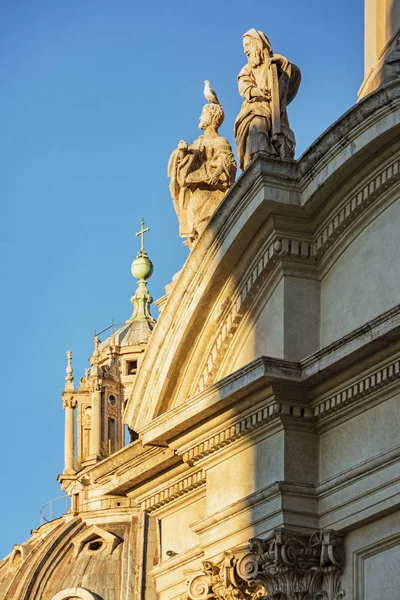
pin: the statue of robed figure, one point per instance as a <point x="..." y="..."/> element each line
<point x="201" y="174"/>
<point x="268" y="83"/>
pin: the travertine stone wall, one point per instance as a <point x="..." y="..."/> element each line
<point x="357" y="280"/>
<point x="245" y="472"/>
<point x="176" y="532"/>
<point x="365" y="436"/>
<point x="264" y="335"/>
<point x="375" y="548"/>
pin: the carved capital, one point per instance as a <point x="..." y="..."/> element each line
<point x="218" y="581"/>
<point x="69" y="401"/>
<point x="285" y="566"/>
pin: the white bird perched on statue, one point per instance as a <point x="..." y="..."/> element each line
<point x="209" y="94"/>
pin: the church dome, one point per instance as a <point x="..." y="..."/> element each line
<point x="72" y="558"/>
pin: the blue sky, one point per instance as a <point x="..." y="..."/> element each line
<point x="94" y="96"/>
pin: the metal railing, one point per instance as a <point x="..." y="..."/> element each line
<point x="95" y="504"/>
<point x="57" y="511"/>
<point x="112" y="327"/>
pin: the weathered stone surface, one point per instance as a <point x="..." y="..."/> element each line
<point x="72" y="559"/>
<point x="268" y="83"/>
<point x="201" y="174"/>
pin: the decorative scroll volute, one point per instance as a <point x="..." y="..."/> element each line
<point x="218" y="581"/>
<point x="285" y="566"/>
<point x="247" y="566"/>
<point x="199" y="587"/>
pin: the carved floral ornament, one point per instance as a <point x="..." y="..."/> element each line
<point x="69" y="401"/>
<point x="285" y="566"/>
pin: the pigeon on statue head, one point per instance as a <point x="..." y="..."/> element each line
<point x="210" y="94"/>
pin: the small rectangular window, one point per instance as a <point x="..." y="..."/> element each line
<point x="111" y="435"/>
<point x="131" y="367"/>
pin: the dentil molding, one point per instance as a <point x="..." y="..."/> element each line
<point x="300" y="249"/>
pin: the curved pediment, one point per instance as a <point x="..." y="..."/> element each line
<point x="255" y="275"/>
<point x="95" y="540"/>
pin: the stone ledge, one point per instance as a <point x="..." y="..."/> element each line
<point x="173" y="490"/>
<point x="266" y="370"/>
<point x="227" y="391"/>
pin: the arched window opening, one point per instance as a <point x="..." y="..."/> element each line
<point x="16" y="559"/>
<point x="76" y="594"/>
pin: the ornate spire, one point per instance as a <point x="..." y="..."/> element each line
<point x="69" y="386"/>
<point x="95" y="356"/>
<point x="142" y="269"/>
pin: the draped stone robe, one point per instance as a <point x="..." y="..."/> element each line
<point x="200" y="177"/>
<point x="253" y="125"/>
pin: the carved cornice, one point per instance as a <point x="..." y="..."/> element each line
<point x="285" y="566"/>
<point x="257" y="419"/>
<point x="364" y="386"/>
<point x="171" y="492"/>
<point x="354" y="206"/>
<point x="299" y="249"/>
<point x="299" y="412"/>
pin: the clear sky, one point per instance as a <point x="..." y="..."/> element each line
<point x="94" y="96"/>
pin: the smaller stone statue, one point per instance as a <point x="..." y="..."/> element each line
<point x="268" y="83"/>
<point x="201" y="174"/>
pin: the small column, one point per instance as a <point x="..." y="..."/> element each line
<point x="69" y="435"/>
<point x="95" y="432"/>
<point x="69" y="403"/>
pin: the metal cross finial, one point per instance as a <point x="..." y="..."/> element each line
<point x="141" y="233"/>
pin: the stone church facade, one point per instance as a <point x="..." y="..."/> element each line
<point x="263" y="406"/>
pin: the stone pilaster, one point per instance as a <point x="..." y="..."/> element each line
<point x="95" y="432"/>
<point x="69" y="403"/>
<point x="285" y="566"/>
